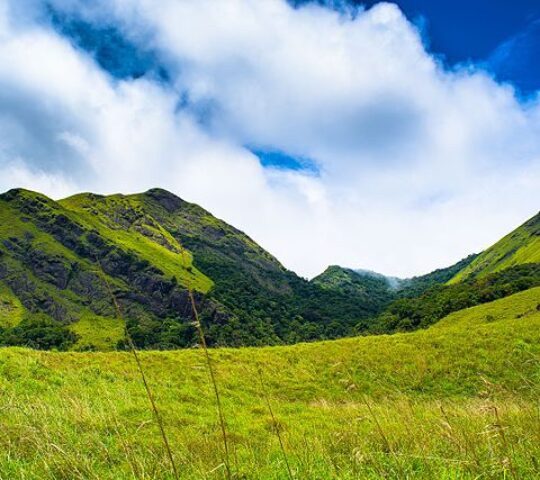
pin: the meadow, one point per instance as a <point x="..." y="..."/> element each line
<point x="456" y="401"/>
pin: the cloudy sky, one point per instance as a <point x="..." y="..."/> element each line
<point x="397" y="138"/>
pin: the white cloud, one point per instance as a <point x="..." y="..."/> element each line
<point x="419" y="165"/>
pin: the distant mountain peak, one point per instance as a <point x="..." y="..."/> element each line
<point x="393" y="282"/>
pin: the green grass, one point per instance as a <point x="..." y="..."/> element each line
<point x="11" y="309"/>
<point x="98" y="333"/>
<point x="11" y="225"/>
<point x="456" y="401"/>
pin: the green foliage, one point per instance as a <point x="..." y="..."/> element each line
<point x="416" y="286"/>
<point x="97" y="333"/>
<point x="39" y="333"/>
<point x="273" y="306"/>
<point x="374" y="290"/>
<point x="419" y="312"/>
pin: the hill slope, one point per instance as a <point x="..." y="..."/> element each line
<point x="150" y="246"/>
<point x="380" y="291"/>
<point x="458" y="400"/>
<point x="517" y="248"/>
<point x="367" y="287"/>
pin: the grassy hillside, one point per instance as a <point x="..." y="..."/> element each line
<point x="456" y="401"/>
<point x="53" y="261"/>
<point x="411" y="313"/>
<point x="517" y="248"/>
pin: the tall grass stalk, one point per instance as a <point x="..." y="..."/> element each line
<point x="211" y="371"/>
<point x="387" y="444"/>
<point x="125" y="446"/>
<point x="508" y="450"/>
<point x="149" y="394"/>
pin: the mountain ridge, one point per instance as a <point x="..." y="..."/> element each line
<point x="57" y="257"/>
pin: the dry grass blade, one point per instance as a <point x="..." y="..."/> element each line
<point x="140" y="368"/>
<point x="211" y="372"/>
<point x="213" y="380"/>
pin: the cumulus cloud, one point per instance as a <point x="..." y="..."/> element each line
<point x="418" y="165"/>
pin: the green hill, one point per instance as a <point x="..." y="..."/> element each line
<point x="374" y="287"/>
<point x="412" y="312"/>
<point x="150" y="248"/>
<point x="458" y="400"/>
<point x="366" y="287"/>
<point x="517" y="248"/>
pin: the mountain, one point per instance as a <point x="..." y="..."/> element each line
<point x="368" y="287"/>
<point x="379" y="289"/>
<point x="415" y="286"/>
<point x="393" y="282"/>
<point x="60" y="261"/>
<point x="510" y="266"/>
<point x="56" y="259"/>
<point x="522" y="246"/>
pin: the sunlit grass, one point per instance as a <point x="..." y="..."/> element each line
<point x="459" y="400"/>
<point x="98" y="333"/>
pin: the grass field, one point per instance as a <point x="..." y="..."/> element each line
<point x="457" y="401"/>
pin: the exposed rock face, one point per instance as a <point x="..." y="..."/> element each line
<point x="55" y="266"/>
<point x="167" y="200"/>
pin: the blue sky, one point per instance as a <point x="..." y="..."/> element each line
<point x="466" y="30"/>
<point x="392" y="137"/>
<point x="479" y="31"/>
<point x="502" y="36"/>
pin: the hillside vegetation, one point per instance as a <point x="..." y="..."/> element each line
<point x="60" y="262"/>
<point x="364" y="284"/>
<point x="411" y="313"/>
<point x="517" y="248"/>
<point x="458" y="400"/>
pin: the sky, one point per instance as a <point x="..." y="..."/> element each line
<point x="397" y="138"/>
